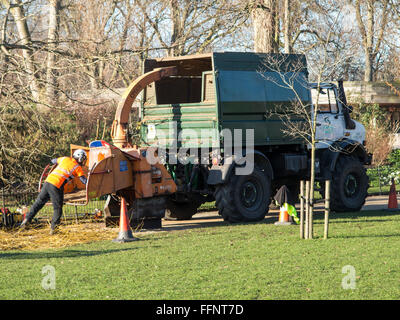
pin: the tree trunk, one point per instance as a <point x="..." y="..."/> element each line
<point x="25" y="37"/>
<point x="263" y="16"/>
<point x="52" y="40"/>
<point x="3" y="71"/>
<point x="93" y="71"/>
<point x="175" y="27"/>
<point x="180" y="11"/>
<point x="313" y="141"/>
<point x="4" y="59"/>
<point x="368" y="75"/>
<point x="286" y="28"/>
<point x="312" y="182"/>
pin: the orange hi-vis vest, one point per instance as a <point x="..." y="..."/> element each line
<point x="66" y="168"/>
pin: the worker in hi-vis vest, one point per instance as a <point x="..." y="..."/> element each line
<point x="285" y="200"/>
<point x="67" y="168"/>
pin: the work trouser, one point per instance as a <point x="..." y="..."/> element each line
<point x="48" y="192"/>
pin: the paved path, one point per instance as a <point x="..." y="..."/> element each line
<point x="377" y="203"/>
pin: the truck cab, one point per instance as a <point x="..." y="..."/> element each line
<point x="333" y="117"/>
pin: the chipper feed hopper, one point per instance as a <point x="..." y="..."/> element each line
<point x="122" y="170"/>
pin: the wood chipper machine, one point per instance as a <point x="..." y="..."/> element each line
<point x="122" y="170"/>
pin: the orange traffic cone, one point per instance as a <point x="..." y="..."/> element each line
<point x="392" y="205"/>
<point x="125" y="232"/>
<point x="284" y="218"/>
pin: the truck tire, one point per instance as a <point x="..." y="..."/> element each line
<point x="349" y="187"/>
<point x="181" y="210"/>
<point x="244" y="198"/>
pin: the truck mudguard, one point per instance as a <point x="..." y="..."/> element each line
<point x="345" y="146"/>
<point x="219" y="174"/>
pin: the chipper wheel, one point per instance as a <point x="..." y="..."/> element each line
<point x="139" y="209"/>
<point x="244" y="198"/>
<point x="181" y="210"/>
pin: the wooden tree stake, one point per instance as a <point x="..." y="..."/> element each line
<point x="327" y="202"/>
<point x="307" y="225"/>
<point x="302" y="209"/>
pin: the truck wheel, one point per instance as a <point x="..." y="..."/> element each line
<point x="349" y="185"/>
<point x="181" y="210"/>
<point x="244" y="198"/>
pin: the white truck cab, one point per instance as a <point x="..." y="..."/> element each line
<point x="331" y="124"/>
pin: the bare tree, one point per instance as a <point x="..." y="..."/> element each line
<point x="372" y="29"/>
<point x="182" y="27"/>
<point x="379" y="140"/>
<point x="17" y="11"/>
<point x="291" y="77"/>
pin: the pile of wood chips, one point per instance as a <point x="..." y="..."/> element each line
<point x="37" y="237"/>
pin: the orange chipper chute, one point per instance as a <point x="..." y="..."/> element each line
<point x="120" y="123"/>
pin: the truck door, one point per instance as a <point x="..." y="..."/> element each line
<point x="330" y="121"/>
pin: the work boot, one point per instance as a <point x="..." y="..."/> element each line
<point x="54" y="230"/>
<point x="23" y="224"/>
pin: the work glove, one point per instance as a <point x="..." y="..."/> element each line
<point x="83" y="179"/>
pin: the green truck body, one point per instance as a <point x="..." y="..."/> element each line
<point x="219" y="91"/>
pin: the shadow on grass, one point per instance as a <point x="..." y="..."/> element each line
<point x="60" y="254"/>
<point x="193" y="224"/>
<point x="351" y="216"/>
<point x="365" y="236"/>
<point x="204" y="222"/>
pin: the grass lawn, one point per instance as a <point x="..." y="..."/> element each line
<point x="228" y="261"/>
<point x="383" y="189"/>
